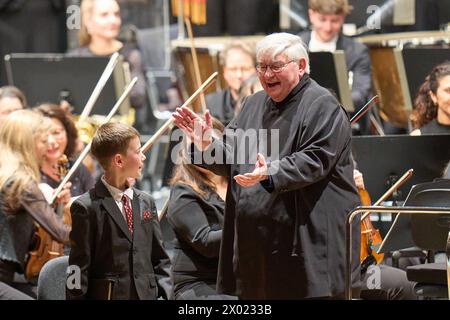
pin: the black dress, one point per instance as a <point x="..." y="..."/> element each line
<point x="434" y="127"/>
<point x="197" y="223"/>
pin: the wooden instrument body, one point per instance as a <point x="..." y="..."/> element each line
<point x="370" y="237"/>
<point x="45" y="247"/>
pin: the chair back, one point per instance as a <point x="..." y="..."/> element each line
<point x="52" y="279"/>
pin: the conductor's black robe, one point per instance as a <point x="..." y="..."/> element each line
<point x="284" y="238"/>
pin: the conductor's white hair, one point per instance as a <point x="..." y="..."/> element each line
<point x="290" y="45"/>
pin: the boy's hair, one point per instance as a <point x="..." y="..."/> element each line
<point x="330" y="6"/>
<point x="111" y="139"/>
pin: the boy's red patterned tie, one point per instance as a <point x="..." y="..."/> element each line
<point x="128" y="212"/>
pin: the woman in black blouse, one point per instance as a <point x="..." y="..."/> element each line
<point x="432" y="105"/>
<point x="195" y="214"/>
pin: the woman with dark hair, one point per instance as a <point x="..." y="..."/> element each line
<point x="11" y="99"/>
<point x="195" y="213"/>
<point x="66" y="138"/>
<point x="432" y="105"/>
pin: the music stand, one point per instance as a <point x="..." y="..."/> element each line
<point x="330" y="71"/>
<point x="428" y="232"/>
<point x="382" y="160"/>
<point x="54" y="77"/>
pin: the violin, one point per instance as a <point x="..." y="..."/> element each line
<point x="45" y="247"/>
<point x="370" y="237"/>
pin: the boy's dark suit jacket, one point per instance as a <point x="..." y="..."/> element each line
<point x="105" y="251"/>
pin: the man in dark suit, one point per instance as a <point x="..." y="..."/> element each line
<point x="327" y="18"/>
<point x="116" y="238"/>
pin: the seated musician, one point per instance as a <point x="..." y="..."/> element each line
<point x="98" y="36"/>
<point x="392" y="283"/>
<point x="11" y="99"/>
<point x="66" y="138"/>
<point x="432" y="105"/>
<point x="24" y="139"/>
<point x="195" y="213"/>
<point x="238" y="61"/>
<point x="327" y="18"/>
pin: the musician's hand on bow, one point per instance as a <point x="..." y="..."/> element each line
<point x="359" y="180"/>
<point x="259" y="174"/>
<point x="197" y="130"/>
<point x="65" y="195"/>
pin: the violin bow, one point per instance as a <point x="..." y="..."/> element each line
<point x="408" y="174"/>
<point x="86" y="149"/>
<point x="195" y="62"/>
<point x="99" y="87"/>
<point x="168" y="123"/>
<point x="364" y="109"/>
<point x="163" y="211"/>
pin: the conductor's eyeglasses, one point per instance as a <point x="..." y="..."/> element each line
<point x="276" y="67"/>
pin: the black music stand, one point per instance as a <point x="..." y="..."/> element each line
<point x="330" y="71"/>
<point x="428" y="232"/>
<point x="382" y="160"/>
<point x="55" y="77"/>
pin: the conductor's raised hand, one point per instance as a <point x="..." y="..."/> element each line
<point x="259" y="174"/>
<point x="197" y="130"/>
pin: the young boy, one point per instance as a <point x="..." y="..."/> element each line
<point x="116" y="238"/>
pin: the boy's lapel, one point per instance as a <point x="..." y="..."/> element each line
<point x="111" y="207"/>
<point x="136" y="205"/>
<point x="144" y="208"/>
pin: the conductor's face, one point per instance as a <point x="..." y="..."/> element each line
<point x="326" y="26"/>
<point x="280" y="75"/>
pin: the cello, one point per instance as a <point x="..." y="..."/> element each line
<point x="45" y="247"/>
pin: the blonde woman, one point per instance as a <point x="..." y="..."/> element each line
<point x="24" y="136"/>
<point x="100" y="27"/>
